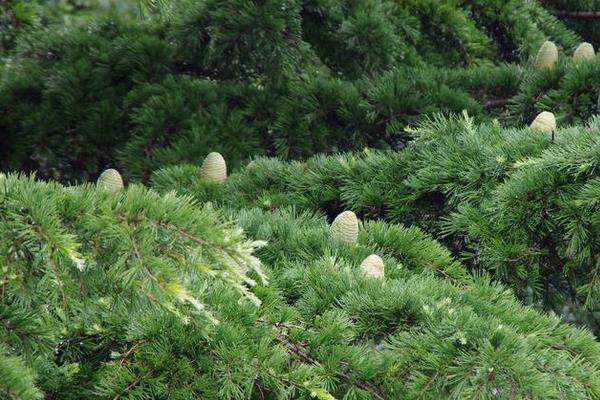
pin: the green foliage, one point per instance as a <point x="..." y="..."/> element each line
<point x="245" y="285"/>
<point x="284" y="78"/>
<point x="64" y="111"/>
<point x="136" y="294"/>
<point x="394" y="314"/>
<point x="15" y="16"/>
<point x="239" y="40"/>
<point x="394" y="317"/>
<point x="84" y="270"/>
<point x="181" y="118"/>
<point x="516" y="203"/>
<point x="568" y="13"/>
<point x="570" y="90"/>
<point x="17" y="380"/>
<point x="19" y="17"/>
<point x="542" y="231"/>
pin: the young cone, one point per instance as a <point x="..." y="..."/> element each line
<point x="547" y="55"/>
<point x="111" y="180"/>
<point x="544" y="122"/>
<point x="345" y="228"/>
<point x="585" y="51"/>
<point x="373" y="267"/>
<point x="214" y="168"/>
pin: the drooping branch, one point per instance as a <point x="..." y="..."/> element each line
<point x="298" y="350"/>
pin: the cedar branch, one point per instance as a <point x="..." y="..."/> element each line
<point x="305" y="357"/>
<point x="577" y="14"/>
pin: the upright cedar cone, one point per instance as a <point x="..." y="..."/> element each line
<point x="111" y="180"/>
<point x="345" y="228"/>
<point x="544" y="122"/>
<point x="214" y="168"/>
<point x="373" y="267"/>
<point x="547" y="55"/>
<point x="585" y="51"/>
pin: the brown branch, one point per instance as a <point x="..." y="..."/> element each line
<point x="132" y="384"/>
<point x="296" y="349"/>
<point x="136" y="250"/>
<point x="562" y="347"/>
<point x="495" y="103"/>
<point x="192" y="237"/>
<point x="429" y="382"/>
<point x="577" y="14"/>
<point x="131" y="350"/>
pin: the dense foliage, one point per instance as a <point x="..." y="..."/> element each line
<point x="136" y="295"/>
<point x="86" y="271"/>
<point x="278" y="77"/>
<point x="517" y="203"/>
<point x="15" y="16"/>
<point x="463" y="134"/>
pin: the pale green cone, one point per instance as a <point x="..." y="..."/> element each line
<point x="544" y="122"/>
<point x="214" y="168"/>
<point x="585" y="51"/>
<point x="547" y="55"/>
<point x="373" y="267"/>
<point x="345" y="228"/>
<point x="111" y="180"/>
